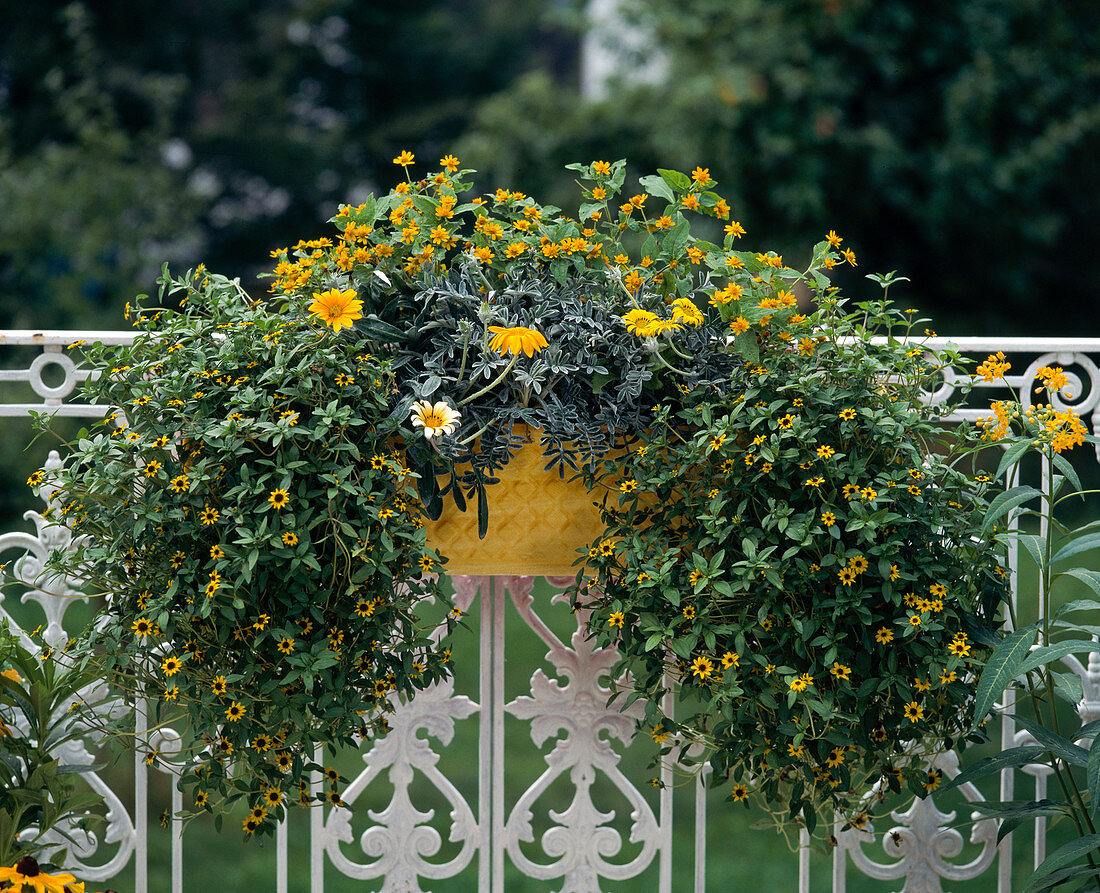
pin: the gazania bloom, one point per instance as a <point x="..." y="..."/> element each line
<point x="640" y="322"/>
<point x="26" y="874"/>
<point x="517" y="340"/>
<point x="435" y="419"/>
<point x="336" y="308"/>
<point x="683" y="310"/>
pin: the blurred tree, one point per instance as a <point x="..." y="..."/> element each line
<point x="955" y="140"/>
<point x="220" y="129"/>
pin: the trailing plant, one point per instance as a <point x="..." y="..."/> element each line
<point x="267" y="581"/>
<point x="795" y="553"/>
<point x="776" y="473"/>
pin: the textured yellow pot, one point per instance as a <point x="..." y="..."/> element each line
<point x="536" y="523"/>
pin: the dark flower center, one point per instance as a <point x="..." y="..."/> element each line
<point x="27" y="866"/>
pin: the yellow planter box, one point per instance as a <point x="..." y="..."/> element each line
<point x="537" y="521"/>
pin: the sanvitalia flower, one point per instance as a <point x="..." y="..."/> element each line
<point x="26" y="873"/>
<point x="517" y="340"/>
<point x="435" y="419"/>
<point x="336" y="308"/>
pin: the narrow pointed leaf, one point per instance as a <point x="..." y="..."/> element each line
<point x="1092" y="773"/>
<point x="1061" y="857"/>
<point x="1048" y="654"/>
<point x="1007" y="501"/>
<point x="1013" y="758"/>
<point x="1085" y="543"/>
<point x="1004" y="665"/>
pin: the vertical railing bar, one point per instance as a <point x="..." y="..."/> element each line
<point x="664" y="864"/>
<point x="485" y="736"/>
<point x="497" y="588"/>
<point x="803" y="861"/>
<point x="1008" y="725"/>
<point x="316" y="827"/>
<point x="701" y="832"/>
<point x="1040" y="822"/>
<point x="840" y="862"/>
<point x="141" y="798"/>
<point x="177" y="837"/>
<point x="280" y="855"/>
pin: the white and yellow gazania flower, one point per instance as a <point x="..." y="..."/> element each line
<point x="437" y="419"/>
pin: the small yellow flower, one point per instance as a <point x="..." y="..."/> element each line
<point x="405" y="158"/>
<point x="337" y="308"/>
<point x="279" y="499"/>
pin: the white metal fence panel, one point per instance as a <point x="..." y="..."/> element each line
<point x="490" y="831"/>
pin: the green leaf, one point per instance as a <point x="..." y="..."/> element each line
<point x="1061" y="857"/>
<point x="1064" y="466"/>
<point x="1003" y="666"/>
<point x="745" y="344"/>
<point x="1063" y="749"/>
<point x="1007" y="501"/>
<point x="1076" y="547"/>
<point x="678" y="181"/>
<point x="1050" y="653"/>
<point x="1012" y="455"/>
<point x="655" y="185"/>
<point x="1013" y="758"/>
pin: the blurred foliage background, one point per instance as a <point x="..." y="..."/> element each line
<point x="957" y="141"/>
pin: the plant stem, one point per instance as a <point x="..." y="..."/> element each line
<point x="485" y="390"/>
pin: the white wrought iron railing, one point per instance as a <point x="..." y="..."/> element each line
<point x="495" y="827"/>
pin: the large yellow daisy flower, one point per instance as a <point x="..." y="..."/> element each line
<point x="517" y="340"/>
<point x="337" y="308"/>
<point x="26" y="873"/>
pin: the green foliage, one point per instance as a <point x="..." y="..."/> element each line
<point x="267" y="582"/>
<point x="38" y="691"/>
<point x="1023" y="669"/>
<point x="797" y="553"/>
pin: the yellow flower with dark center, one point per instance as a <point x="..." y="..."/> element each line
<point x="209" y="515"/>
<point x="730" y="659"/>
<point x="840" y="671"/>
<point x="517" y="340"/>
<point x="279" y="499"/>
<point x="273" y="797"/>
<point x="616" y="619"/>
<point x="26" y="875"/>
<point x="828" y="519"/>
<point x="180" y="483"/>
<point x="740" y="793"/>
<point x="959" y="649"/>
<point x="286" y="645"/>
<point x="847" y="414"/>
<point x="217" y="552"/>
<point x="426" y="563"/>
<point x="289" y="538"/>
<point x="702" y="667"/>
<point x="336" y="308"/>
<point x="858" y="564"/>
<point x="847" y="576"/>
<point x="798" y="684"/>
<point x="235" y="711"/>
<point x="659" y="734"/>
<point x="171" y="665"/>
<point x="201" y="799"/>
<point x="143" y="628"/>
<point x="786" y="422"/>
<point x="913" y="711"/>
<point x="835" y="757"/>
<point x="218" y="686"/>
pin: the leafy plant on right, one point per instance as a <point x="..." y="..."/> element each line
<point x="1025" y="670"/>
